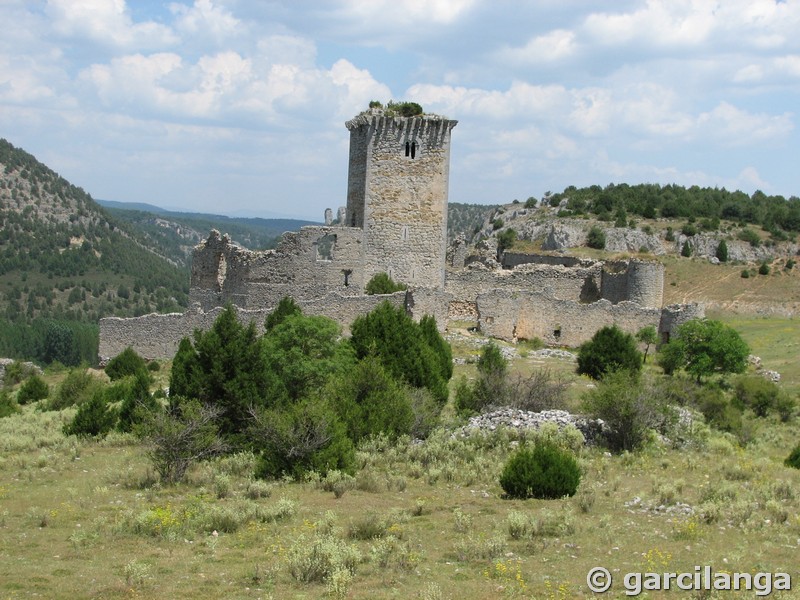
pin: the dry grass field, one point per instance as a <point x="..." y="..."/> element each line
<point x="87" y="519"/>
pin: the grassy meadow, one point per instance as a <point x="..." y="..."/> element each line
<point x="88" y="519"/>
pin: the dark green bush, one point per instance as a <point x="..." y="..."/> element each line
<point x="137" y="401"/>
<point x="686" y="250"/>
<point x="750" y="236"/>
<point x="689" y="230"/>
<point x="153" y="366"/>
<point x="596" y="238"/>
<point x="489" y="389"/>
<point x="94" y="417"/>
<point x="544" y="471"/>
<point x="610" y="349"/>
<point x="763" y="269"/>
<point x="722" y="251"/>
<point x="126" y="363"/>
<point x="381" y="283"/>
<point x="745" y="274"/>
<point x="793" y="460"/>
<point x="32" y="390"/>
<point x="669" y="235"/>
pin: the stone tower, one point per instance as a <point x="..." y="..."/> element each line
<point x="397" y="193"/>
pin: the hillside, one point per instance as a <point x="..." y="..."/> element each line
<point x="65" y="262"/>
<point x="174" y="233"/>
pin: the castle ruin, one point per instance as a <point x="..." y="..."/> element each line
<point x="395" y="222"/>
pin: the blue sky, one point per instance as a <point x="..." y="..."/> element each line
<point x="238" y="107"/>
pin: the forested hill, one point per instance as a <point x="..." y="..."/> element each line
<point x="775" y="214"/>
<point x="174" y="233"/>
<point x="65" y="262"/>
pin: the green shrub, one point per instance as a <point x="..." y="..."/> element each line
<point x="490" y="387"/>
<point x="757" y="394"/>
<point x="790" y="264"/>
<point x="76" y="388"/>
<point x="763" y="269"/>
<point x="793" y="460"/>
<point x="543" y="471"/>
<point x="136" y="402"/>
<point x="686" y="250"/>
<point x="669" y="235"/>
<point x="404" y="347"/>
<point x="610" y="349"/>
<point x="722" y="251"/>
<point x="369" y="401"/>
<point x="8" y="406"/>
<point x="153" y="366"/>
<point x="689" y="230"/>
<point x="381" y="283"/>
<point x="718" y="411"/>
<point x="750" y="236"/>
<point x="32" y="390"/>
<point x="596" y="238"/>
<point x="745" y="274"/>
<point x="530" y="202"/>
<point x="506" y="239"/>
<point x="305" y="436"/>
<point x="124" y="364"/>
<point x="629" y="408"/>
<point x="93" y="419"/>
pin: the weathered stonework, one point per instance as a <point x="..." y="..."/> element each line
<point x="396" y="222"/>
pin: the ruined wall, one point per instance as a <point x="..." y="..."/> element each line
<point x="306" y="264"/>
<point x="675" y="315"/>
<point x="636" y="281"/>
<point x="157" y="336"/>
<point x="397" y="190"/>
<point x="578" y="284"/>
<point x="509" y="260"/>
<point x="512" y="315"/>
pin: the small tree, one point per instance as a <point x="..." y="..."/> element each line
<point x="596" y="238"/>
<point x="506" y="239"/>
<point x="629" y="409"/>
<point x="93" y="419"/>
<point x="180" y="437"/>
<point x="793" y="460"/>
<point x="686" y="250"/>
<point x="647" y="336"/>
<point x="610" y="349"/>
<point x="722" y="251"/>
<point x="763" y="269"/>
<point x="32" y="390"/>
<point x="381" y="283"/>
<point x="306" y="436"/>
<point x="703" y="347"/>
<point x="489" y="389"/>
<point x="126" y="363"/>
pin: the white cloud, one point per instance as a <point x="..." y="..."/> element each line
<point x="107" y="22"/>
<point x="550" y="47"/>
<point x="403" y="13"/>
<point x="205" y="19"/>
<point x="739" y="127"/>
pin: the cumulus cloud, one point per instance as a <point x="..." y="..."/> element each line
<point x="107" y="22"/>
<point x="205" y="19"/>
<point x="550" y="47"/>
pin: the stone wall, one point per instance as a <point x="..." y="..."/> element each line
<point x="157" y="336"/>
<point x="510" y="260"/>
<point x="306" y="264"/>
<point x="514" y="315"/>
<point x="579" y="284"/>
